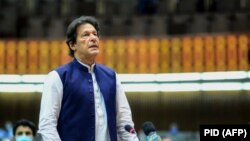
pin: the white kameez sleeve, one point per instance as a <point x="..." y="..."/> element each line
<point x="124" y="115"/>
<point x="50" y="107"/>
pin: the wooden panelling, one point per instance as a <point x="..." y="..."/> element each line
<point x="187" y="54"/>
<point x="196" y="53"/>
<point x="209" y="54"/>
<point x="132" y="56"/>
<point x="11" y="66"/>
<point x="2" y="57"/>
<point x="164" y="54"/>
<point x="220" y="53"/>
<point x="121" y="64"/>
<point x="153" y="53"/>
<point x="54" y="56"/>
<point x="143" y="56"/>
<point x="64" y="56"/>
<point x="109" y="50"/>
<point x="22" y="57"/>
<point x="232" y="58"/>
<point x="243" y="50"/>
<point x="44" y="60"/>
<point x="33" y="57"/>
<point x="176" y="55"/>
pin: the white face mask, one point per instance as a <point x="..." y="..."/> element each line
<point x="23" y="138"/>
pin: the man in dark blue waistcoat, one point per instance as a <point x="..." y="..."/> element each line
<point x="83" y="100"/>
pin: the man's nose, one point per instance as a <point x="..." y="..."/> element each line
<point x="93" y="37"/>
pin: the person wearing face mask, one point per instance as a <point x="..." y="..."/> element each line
<point x="24" y="130"/>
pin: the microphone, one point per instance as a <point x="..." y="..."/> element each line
<point x="132" y="132"/>
<point x="149" y="129"/>
<point x="130" y="129"/>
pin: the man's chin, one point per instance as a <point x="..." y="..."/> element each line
<point x="96" y="52"/>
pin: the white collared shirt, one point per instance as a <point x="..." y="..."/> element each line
<point x="51" y="106"/>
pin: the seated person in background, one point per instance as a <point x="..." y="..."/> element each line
<point x="166" y="138"/>
<point x="24" y="130"/>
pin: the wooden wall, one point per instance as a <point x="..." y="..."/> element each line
<point x="196" y="53"/>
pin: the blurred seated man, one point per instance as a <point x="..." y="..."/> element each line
<point x="24" y="130"/>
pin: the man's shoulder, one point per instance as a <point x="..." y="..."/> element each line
<point x="63" y="67"/>
<point x="105" y="71"/>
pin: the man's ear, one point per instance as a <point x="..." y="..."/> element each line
<point x="72" y="45"/>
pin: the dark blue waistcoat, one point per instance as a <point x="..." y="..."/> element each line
<point x="77" y="116"/>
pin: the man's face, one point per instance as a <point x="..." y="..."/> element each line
<point x="23" y="131"/>
<point x="87" y="42"/>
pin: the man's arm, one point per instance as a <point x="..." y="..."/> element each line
<point x="50" y="107"/>
<point x="124" y="116"/>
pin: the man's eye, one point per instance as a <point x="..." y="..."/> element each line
<point x="28" y="133"/>
<point x="19" y="133"/>
<point x="85" y="35"/>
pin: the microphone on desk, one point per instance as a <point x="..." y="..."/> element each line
<point x="150" y="132"/>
